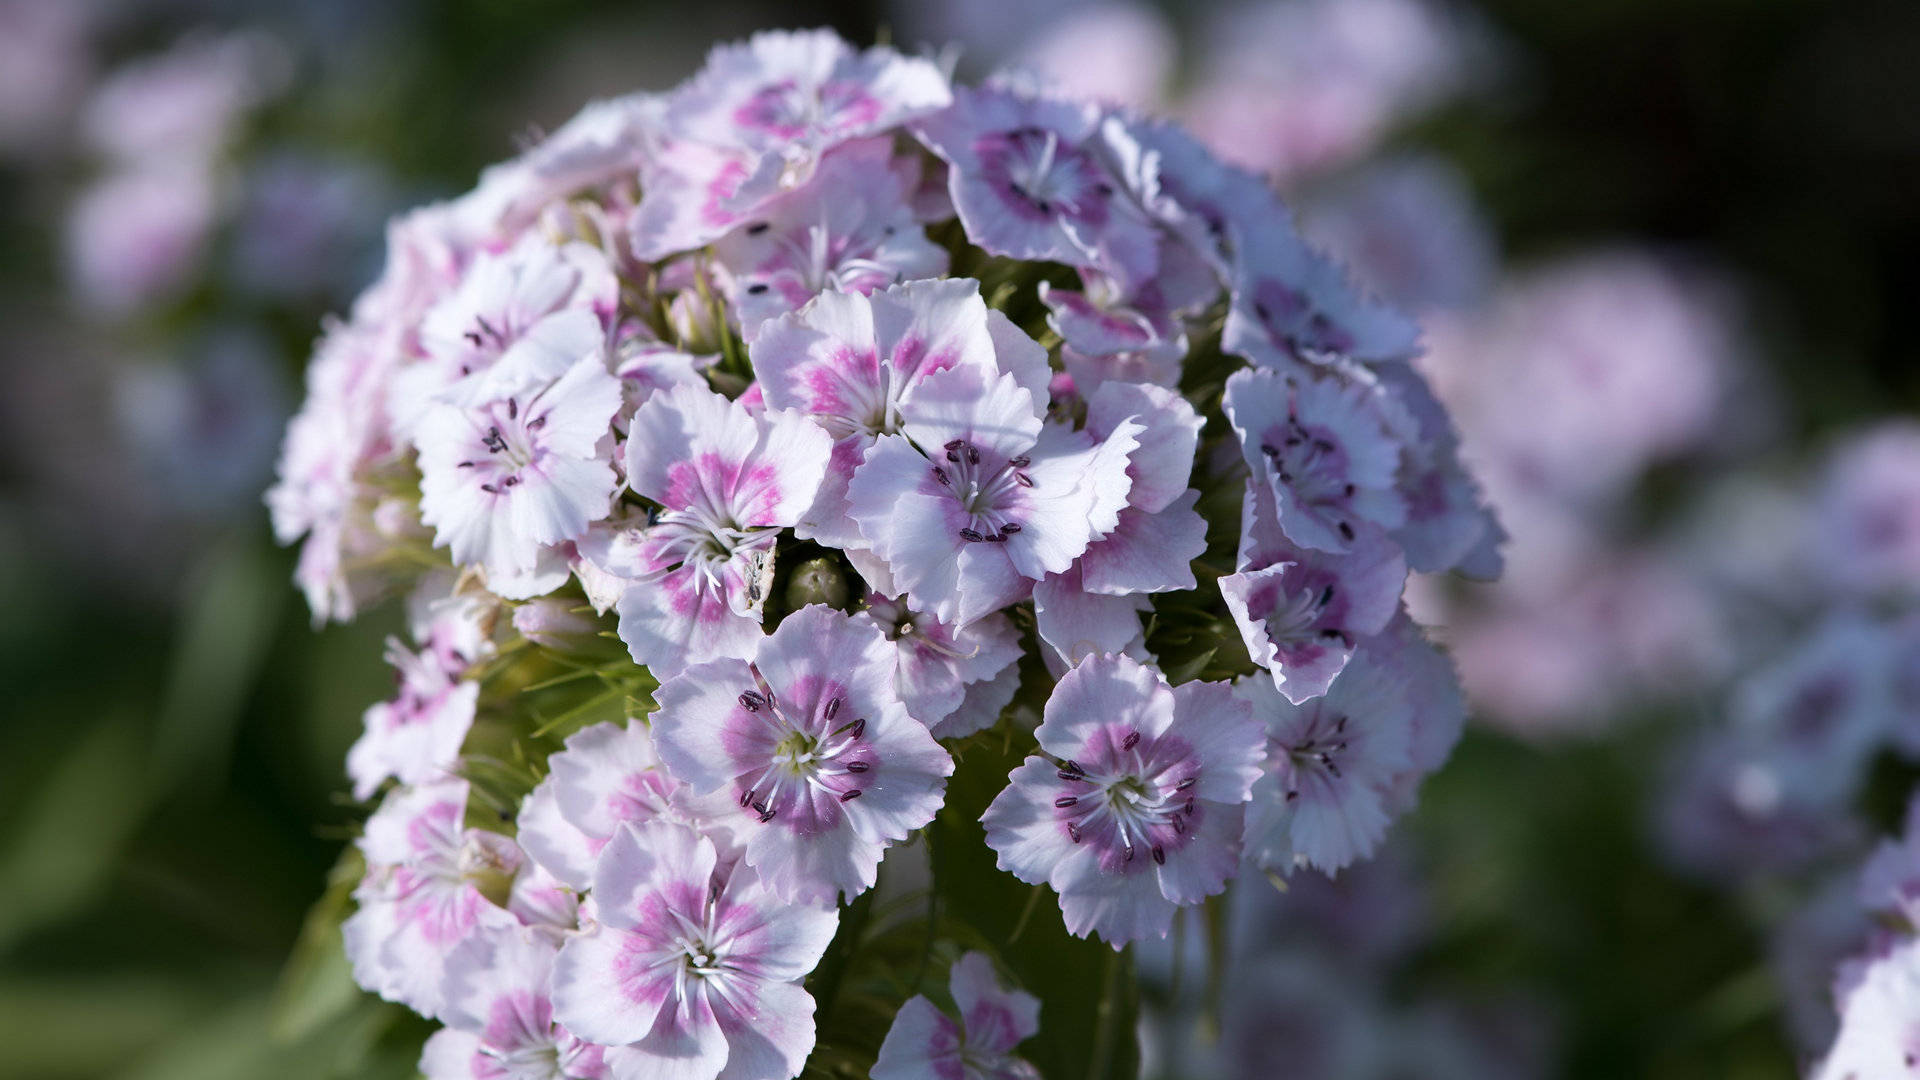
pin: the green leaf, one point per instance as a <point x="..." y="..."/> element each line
<point x="316" y="986"/>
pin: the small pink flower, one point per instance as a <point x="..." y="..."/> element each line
<point x="423" y="894"/>
<point x="1292" y="303"/>
<point x="502" y="478"/>
<point x="1032" y="179"/>
<point x="416" y="737"/>
<point x="812" y="743"/>
<point x="727" y="481"/>
<point x="850" y="228"/>
<point x="1325" y="446"/>
<point x="978" y="499"/>
<point x="1135" y="809"/>
<point x="693" y="969"/>
<point x="927" y="1044"/>
<point x="1303" y="612"/>
<point x="939" y="664"/>
<point x="499" y="1017"/>
<point x="757" y="120"/>
<point x="607" y="776"/>
<point x="856" y="364"/>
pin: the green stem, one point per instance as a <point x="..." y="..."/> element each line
<point x="1103" y="1032"/>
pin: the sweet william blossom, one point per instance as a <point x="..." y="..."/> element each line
<point x="607" y="775"/>
<point x="927" y="1044"/>
<point x="430" y="886"/>
<point x="499" y="1017"/>
<point x="940" y="664"/>
<point x="1303" y="612"/>
<point x="1135" y="808"/>
<point x="1031" y="178"/>
<point x="693" y="968"/>
<point x="416" y="736"/>
<point x="1326" y="797"/>
<point x="1323" y="444"/>
<point x="812" y="743"/>
<point x="857" y="364"/>
<point x="503" y="478"/>
<point x="851" y="227"/>
<point x="978" y="499"/>
<point x="726" y="481"/>
<point x="757" y="119"/>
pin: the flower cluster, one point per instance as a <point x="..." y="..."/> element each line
<point x="784" y="440"/>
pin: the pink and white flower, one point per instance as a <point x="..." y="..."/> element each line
<point x="939" y="664"/>
<point x="1106" y="335"/>
<point x="726" y="481"/>
<point x="693" y="968"/>
<point x="1303" y="612"/>
<point x="518" y="319"/>
<point x="499" y="1017"/>
<point x="757" y="120"/>
<point x="856" y="364"/>
<point x="1332" y="762"/>
<point x="506" y="476"/>
<point x="1325" y="447"/>
<point x="1135" y="809"/>
<point x="811" y="741"/>
<point x="851" y="228"/>
<point x="1093" y="606"/>
<point x="415" y="737"/>
<point x="927" y="1044"/>
<point x="1031" y="178"/>
<point x="429" y="887"/>
<point x="1293" y="304"/>
<point x="608" y="775"/>
<point x="978" y="499"/>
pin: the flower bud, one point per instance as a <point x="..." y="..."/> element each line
<point x="694" y="321"/>
<point x="564" y="625"/>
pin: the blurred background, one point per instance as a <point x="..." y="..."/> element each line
<point x="1666" y="253"/>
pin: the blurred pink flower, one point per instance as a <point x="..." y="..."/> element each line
<point x="138" y="238"/>
<point x="183" y="105"/>
<point x="1297" y="86"/>
<point x="1118" y="53"/>
<point x="1866" y="527"/>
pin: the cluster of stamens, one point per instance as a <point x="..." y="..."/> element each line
<point x="1311" y="465"/>
<point x="1301" y="612"/>
<point x="802" y="760"/>
<point x="507" y="457"/>
<point x="1136" y="806"/>
<point x="980" y="491"/>
<point x="1320" y="750"/>
<point x="1044" y="174"/>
